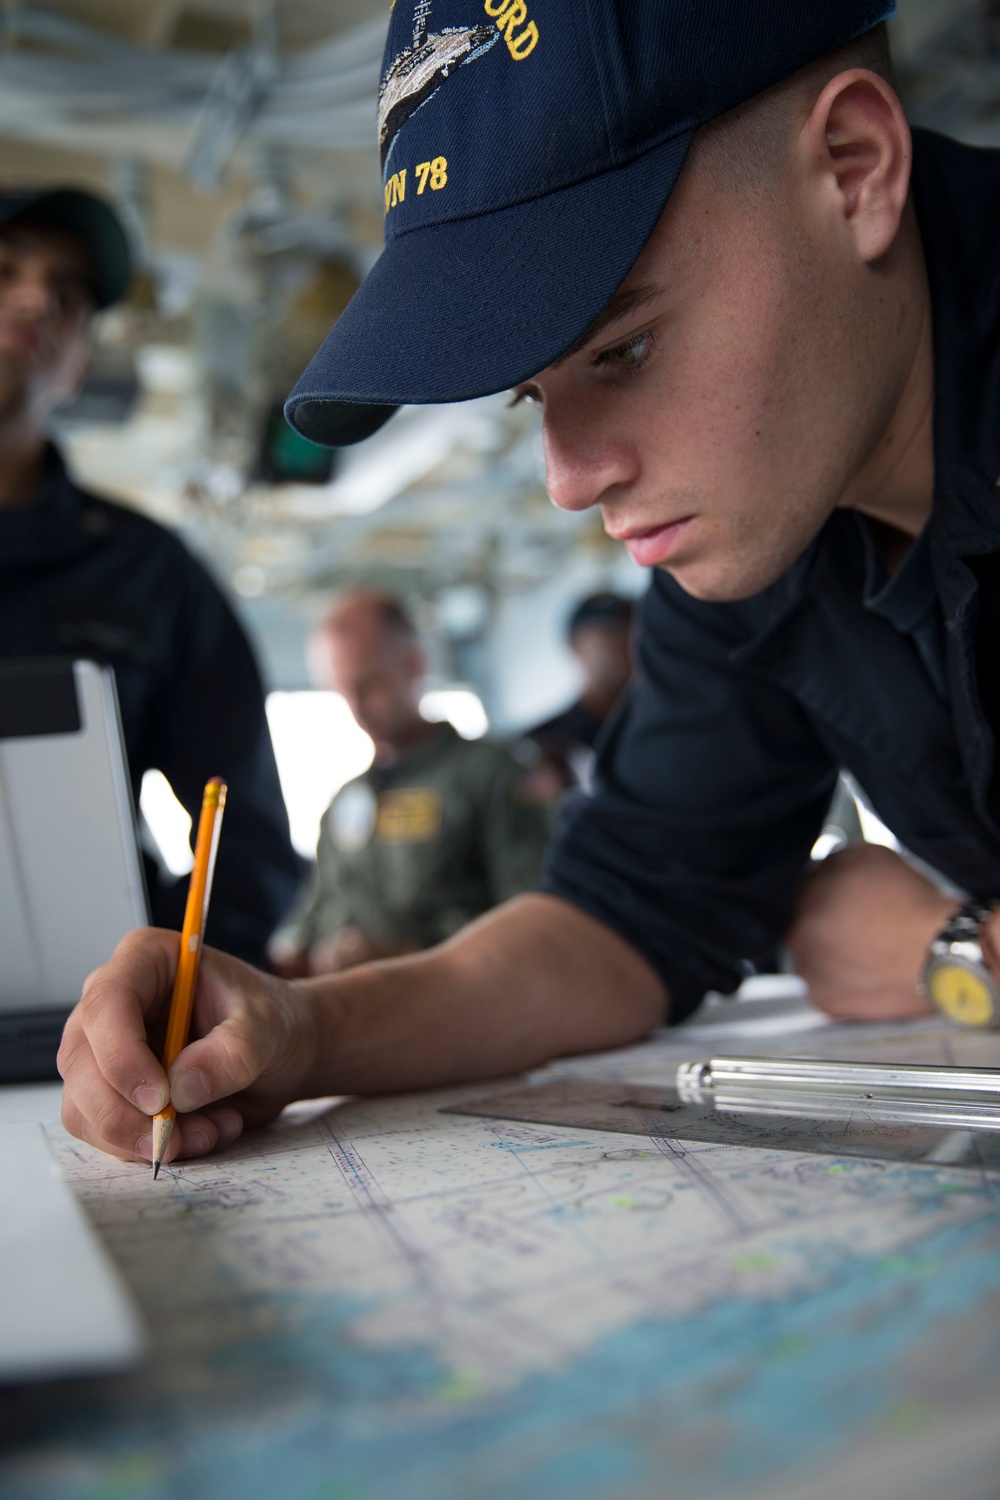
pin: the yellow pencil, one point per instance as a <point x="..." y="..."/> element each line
<point x="205" y="849"/>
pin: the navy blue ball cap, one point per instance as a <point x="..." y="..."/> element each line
<point x="93" y="220"/>
<point x="528" y="149"/>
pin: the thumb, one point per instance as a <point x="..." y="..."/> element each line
<point x="226" y="1061"/>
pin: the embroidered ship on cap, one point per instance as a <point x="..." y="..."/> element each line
<point x="416" y="73"/>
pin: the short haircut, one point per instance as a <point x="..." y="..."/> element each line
<point x="603" y="610"/>
<point x="390" y="613"/>
<point x="747" y="142"/>
<point x="395" y="619"/>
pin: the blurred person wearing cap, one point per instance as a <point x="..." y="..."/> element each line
<point x="760" y="320"/>
<point x="83" y="577"/>
<point x="599" y="635"/>
<point x="435" y="833"/>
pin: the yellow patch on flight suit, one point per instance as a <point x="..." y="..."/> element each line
<point x="409" y="815"/>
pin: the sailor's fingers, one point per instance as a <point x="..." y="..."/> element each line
<point x="115" y="1082"/>
<point x="254" y="1042"/>
<point x="256" y="1054"/>
<point x="196" y="1135"/>
<point x="120" y="1001"/>
<point x="95" y="1112"/>
<point x="111" y="1124"/>
<point x="229" y="1059"/>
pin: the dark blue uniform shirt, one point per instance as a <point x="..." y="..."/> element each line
<point x="716" y="773"/>
<point x="82" y="577"/>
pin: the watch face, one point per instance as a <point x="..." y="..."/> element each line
<point x="961" y="994"/>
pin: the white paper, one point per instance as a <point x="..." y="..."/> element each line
<point x="63" y="1309"/>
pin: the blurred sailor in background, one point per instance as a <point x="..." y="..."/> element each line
<point x="435" y="833"/>
<point x="82" y="577"/>
<point x="599" y="634"/>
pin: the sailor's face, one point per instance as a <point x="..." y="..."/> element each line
<point x="46" y="305"/>
<point x="378" y="679"/>
<point x="720" y="414"/>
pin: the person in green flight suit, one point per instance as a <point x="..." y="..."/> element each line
<point x="436" y="832"/>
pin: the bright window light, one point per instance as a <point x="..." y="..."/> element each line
<point x="460" y="706"/>
<point x="167" y="821"/>
<point x="318" y="748"/>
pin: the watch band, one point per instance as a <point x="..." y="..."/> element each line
<point x="964" y="927"/>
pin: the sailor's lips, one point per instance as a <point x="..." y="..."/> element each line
<point x="651" y="545"/>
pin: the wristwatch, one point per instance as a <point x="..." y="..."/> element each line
<point x="956" y="976"/>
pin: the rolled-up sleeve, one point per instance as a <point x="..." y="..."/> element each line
<point x="711" y="789"/>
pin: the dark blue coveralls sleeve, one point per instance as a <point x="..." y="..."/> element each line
<point x="711" y="789"/>
<point x="209" y="720"/>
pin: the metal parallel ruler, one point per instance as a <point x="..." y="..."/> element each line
<point x="632" y="1109"/>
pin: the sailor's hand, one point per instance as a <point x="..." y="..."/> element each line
<point x="252" y="1047"/>
<point x="352" y="946"/>
<point x="864" y="922"/>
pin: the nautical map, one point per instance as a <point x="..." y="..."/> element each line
<point x="375" y="1299"/>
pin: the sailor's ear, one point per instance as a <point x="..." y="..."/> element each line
<point x="858" y="152"/>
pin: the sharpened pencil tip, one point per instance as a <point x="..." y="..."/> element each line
<point x="163" y="1126"/>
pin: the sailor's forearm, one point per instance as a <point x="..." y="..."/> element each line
<point x="533" y="980"/>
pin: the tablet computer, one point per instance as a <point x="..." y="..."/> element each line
<point x="71" y="877"/>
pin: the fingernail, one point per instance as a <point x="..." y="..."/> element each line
<point x="149" y="1099"/>
<point x="196" y="1141"/>
<point x="145" y="1146"/>
<point x="229" y="1126"/>
<point x="188" y="1089"/>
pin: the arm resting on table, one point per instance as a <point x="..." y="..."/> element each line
<point x="533" y="980"/>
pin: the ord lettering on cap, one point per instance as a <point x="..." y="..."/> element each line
<point x="509" y="14"/>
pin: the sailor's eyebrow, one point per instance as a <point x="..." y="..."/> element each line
<point x="625" y="301"/>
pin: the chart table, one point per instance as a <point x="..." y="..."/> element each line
<point x="374" y="1298"/>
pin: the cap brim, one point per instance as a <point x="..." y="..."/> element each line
<point x="97" y="225"/>
<point x="462" y="309"/>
